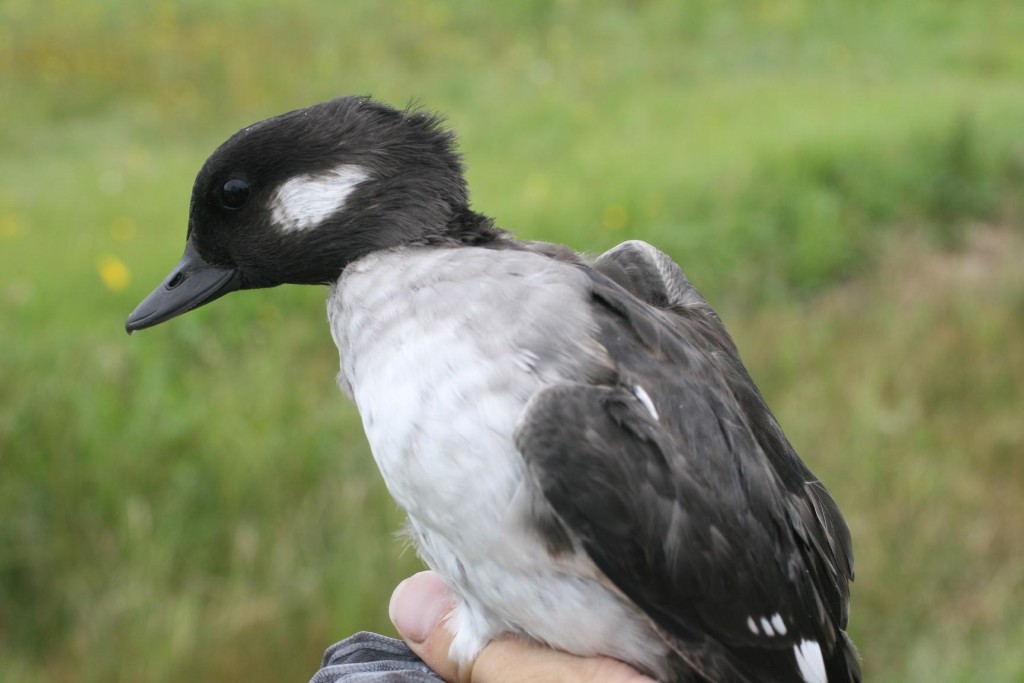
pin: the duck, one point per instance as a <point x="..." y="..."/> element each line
<point x="582" y="455"/>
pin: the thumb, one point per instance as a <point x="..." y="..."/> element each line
<point x="418" y="608"/>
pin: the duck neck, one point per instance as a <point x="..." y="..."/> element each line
<point x="469" y="227"/>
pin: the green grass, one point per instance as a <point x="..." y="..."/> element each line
<point x="198" y="502"/>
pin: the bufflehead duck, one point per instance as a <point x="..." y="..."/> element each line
<point x="581" y="453"/>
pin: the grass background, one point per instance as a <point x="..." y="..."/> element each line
<point x="842" y="180"/>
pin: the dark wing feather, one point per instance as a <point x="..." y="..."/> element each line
<point x="656" y="279"/>
<point x="662" y="476"/>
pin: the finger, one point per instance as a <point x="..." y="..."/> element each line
<point x="513" y="661"/>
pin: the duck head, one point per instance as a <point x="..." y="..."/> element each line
<point x="296" y="198"/>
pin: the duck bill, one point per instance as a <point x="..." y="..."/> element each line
<point x="192" y="283"/>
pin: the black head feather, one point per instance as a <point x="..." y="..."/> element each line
<point x="414" y="191"/>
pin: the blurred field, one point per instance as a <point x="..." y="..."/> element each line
<point x="197" y="502"/>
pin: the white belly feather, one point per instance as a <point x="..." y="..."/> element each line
<point x="441" y="350"/>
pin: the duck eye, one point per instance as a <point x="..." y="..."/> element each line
<point x="234" y="194"/>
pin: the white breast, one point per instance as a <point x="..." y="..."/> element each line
<point x="441" y="349"/>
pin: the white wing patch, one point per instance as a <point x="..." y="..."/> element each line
<point x="305" y="201"/>
<point x="645" y="398"/>
<point x="770" y="626"/>
<point x="810" y="662"/>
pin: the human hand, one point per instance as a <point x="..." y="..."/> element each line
<point x="418" y="607"/>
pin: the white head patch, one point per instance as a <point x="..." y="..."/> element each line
<point x="305" y="201"/>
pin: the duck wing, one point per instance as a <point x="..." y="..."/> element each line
<point x="671" y="474"/>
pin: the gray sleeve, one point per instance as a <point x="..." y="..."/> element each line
<point x="372" y="658"/>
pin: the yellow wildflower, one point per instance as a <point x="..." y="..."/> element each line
<point x="113" y="272"/>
